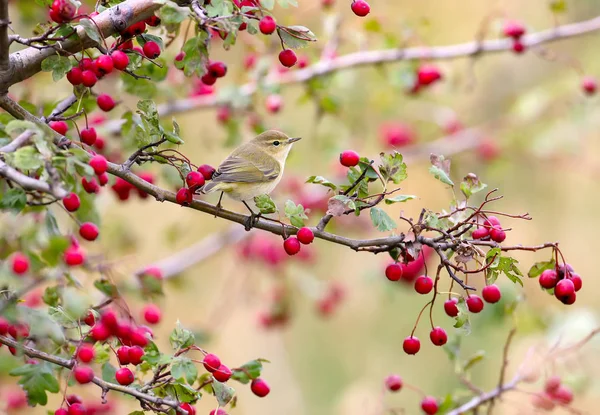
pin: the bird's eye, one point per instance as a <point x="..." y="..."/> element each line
<point x="276" y="143"/>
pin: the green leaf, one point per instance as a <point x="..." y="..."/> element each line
<point x="147" y="37"/>
<point x="16" y="127"/>
<point x="247" y="371"/>
<point x="42" y="325"/>
<point x="338" y="205"/>
<point x="36" y="380"/>
<point x="174" y="136"/>
<point x="154" y="357"/>
<point x="142" y="88"/>
<point x="26" y="158"/>
<point x="473" y="360"/>
<point x="196" y="55"/>
<point x="322" y="181"/>
<point x="13" y="199"/>
<point x="399" y="199"/>
<point x="286" y="3"/>
<point x="382" y="220"/>
<point x="51" y="296"/>
<point x="106" y="287"/>
<point x="296" y="37"/>
<point x="392" y="167"/>
<point x="183" y="368"/>
<point x="539" y="267"/>
<point x="501" y="264"/>
<point x="109" y="372"/>
<point x="58" y="65"/>
<point x="184" y="392"/>
<point x="54" y="250"/>
<point x="295" y="213"/>
<point x="267" y="4"/>
<point x="462" y="318"/>
<point x="172" y="16"/>
<point x="265" y="204"/>
<point x="102" y="353"/>
<point x="471" y="185"/>
<point x="362" y="188"/>
<point x="181" y="338"/>
<point x="558" y="6"/>
<point x="224" y="393"/>
<point x="91" y="30"/>
<point x="440" y="168"/>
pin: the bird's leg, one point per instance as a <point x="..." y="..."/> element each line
<point x="252" y="219"/>
<point x="219" y="206"/>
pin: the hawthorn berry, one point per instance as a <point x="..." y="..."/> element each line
<point x="217" y="69"/>
<point x="83" y="374"/>
<point x="411" y="345"/>
<point x="438" y="336"/>
<point x="543" y="401"/>
<point x="134" y="30"/>
<point x="180" y="57"/>
<point x="518" y="47"/>
<point x="100" y="332"/>
<point x="563" y="394"/>
<point x="154" y="272"/>
<point x="99" y="164"/>
<point x="135" y="355"/>
<point x="189" y="408"/>
<point x="105" y="102"/>
<point x="513" y="29"/>
<point x="259" y="387"/>
<point x="103" y="179"/>
<point x="211" y="362"/>
<point x="217" y="412"/>
<point x="305" y="236"/>
<point x="267" y="25"/>
<point x="577" y="282"/>
<point x="19" y="263"/>
<point x="491" y="293"/>
<point x="100" y="143"/>
<point x="73" y="399"/>
<point x="288" y="58"/>
<point x="393" y="272"/>
<point x="88" y="136"/>
<point x="126" y="45"/>
<point x="548" y="279"/>
<point x="396" y="134"/>
<point x="427" y="74"/>
<point x="450" y="307"/>
<point x="75" y="76"/>
<point x="151" y="313"/>
<point x="124" y="376"/>
<point x="4" y="326"/>
<point x="491" y="222"/>
<point x="184" y="196"/>
<point x="88" y="78"/>
<point x="194" y="180"/>
<point x="474" y="303"/>
<point x="61" y="411"/>
<point x="151" y="50"/>
<point x="552" y="384"/>
<point x="120" y="60"/>
<point x="123" y="355"/>
<point x="564" y="289"/>
<point x="222" y="374"/>
<point x="73" y="256"/>
<point x="349" y="158"/>
<point x="480" y="233"/>
<point x="208" y="79"/>
<point x="429" y="405"/>
<point x="105" y="63"/>
<point x="60" y="127"/>
<point x="154" y="21"/>
<point x="291" y="245"/>
<point x="62" y="11"/>
<point x="360" y="8"/>
<point x="77" y="409"/>
<point x="589" y="85"/>
<point x="393" y="383"/>
<point x="88" y="231"/>
<point x="89" y="319"/>
<point x="423" y="284"/>
<point x="86" y="353"/>
<point x="497" y="235"/>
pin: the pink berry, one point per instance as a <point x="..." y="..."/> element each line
<point x="19" y="263"/>
<point x="480" y="233"/>
<point x="75" y="76"/>
<point x="305" y="236"/>
<point x="393" y="272"/>
<point x="60" y="127"/>
<point x="429" y="405"/>
<point x="189" y="408"/>
<point x="88" y="78"/>
<point x="497" y="235"/>
<point x="99" y="164"/>
<point x="360" y="8"/>
<point x="88" y="136"/>
<point x="474" y="303"/>
<point x="411" y="345"/>
<point x="124" y="376"/>
<point x="77" y="409"/>
<point x="513" y="29"/>
<point x="563" y="394"/>
<point x="61" y="411"/>
<point x="105" y="102"/>
<point x="88" y="231"/>
<point x="105" y="64"/>
<point x="222" y="374"/>
<point x="73" y="256"/>
<point x="577" y="282"/>
<point x="491" y="294"/>
<point x="393" y="383"/>
<point x="135" y="355"/>
<point x="564" y="289"/>
<point x="86" y="353"/>
<point x="438" y="336"/>
<point x="83" y="374"/>
<point x="450" y="307"/>
<point x="548" y="279"/>
<point x="288" y="58"/>
<point x="152" y="314"/>
<point x="123" y="355"/>
<point x="552" y="384"/>
<point x="291" y="245"/>
<point x="267" y="25"/>
<point x="349" y="158"/>
<point x="588" y="84"/>
<point x="151" y="50"/>
<point x="211" y="362"/>
<point x="518" y="47"/>
<point x="274" y="102"/>
<point x="492" y="222"/>
<point x="260" y="388"/>
<point x="423" y="284"/>
<point x="120" y="60"/>
<point x="194" y="180"/>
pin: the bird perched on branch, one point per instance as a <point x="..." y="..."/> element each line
<point x="253" y="169"/>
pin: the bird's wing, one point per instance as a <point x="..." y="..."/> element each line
<point x="237" y="168"/>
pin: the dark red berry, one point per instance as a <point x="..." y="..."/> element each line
<point x="428" y="74"/>
<point x="89" y="78"/>
<point x="208" y="79"/>
<point x="588" y="84"/>
<point x="497" y="235"/>
<point x="564" y="289"/>
<point x="135" y="355"/>
<point x="222" y="374"/>
<point x="393" y="272"/>
<point x="151" y="50"/>
<point x="411" y="345"/>
<point x="189" y="408"/>
<point x="90" y="186"/>
<point x="288" y="58"/>
<point x="480" y="233"/>
<point x="429" y="405"/>
<point x="305" y="236"/>
<point x="423" y="284"/>
<point x="88" y="231"/>
<point x="491" y="294"/>
<point x="184" y="196"/>
<point x="19" y="263"/>
<point x="83" y="374"/>
<point x="450" y="307"/>
<point x="211" y="362"/>
<point x="267" y="25"/>
<point x="64" y="10"/>
<point x="123" y="355"/>
<point x="60" y="127"/>
<point x="86" y="353"/>
<point x="548" y="279"/>
<point x="513" y="29"/>
<point x="77" y="409"/>
<point x="105" y="102"/>
<point x="151" y="314"/>
<point x="90" y="319"/>
<point x="105" y="63"/>
<point x="88" y="136"/>
<point x="207" y="171"/>
<point x="120" y="60"/>
<point x="291" y="245"/>
<point x="393" y="383"/>
<point x="103" y="179"/>
<point x="260" y="388"/>
<point x="349" y="158"/>
<point x="360" y="8"/>
<point x="518" y="47"/>
<point x="217" y="69"/>
<point x="474" y="303"/>
<point x="194" y="180"/>
<point x="75" y="76"/>
<point x="155" y="20"/>
<point x="438" y="336"/>
<point x="124" y="376"/>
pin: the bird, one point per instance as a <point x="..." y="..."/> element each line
<point x="254" y="168"/>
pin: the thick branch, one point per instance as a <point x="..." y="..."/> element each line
<point x="4" y="40"/>
<point x="18" y="142"/>
<point x="29" y="183"/>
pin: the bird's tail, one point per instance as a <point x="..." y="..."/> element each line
<point x="212" y="187"/>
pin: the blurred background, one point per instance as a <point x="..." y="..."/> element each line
<point x="520" y="122"/>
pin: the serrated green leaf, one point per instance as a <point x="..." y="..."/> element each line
<point x="399" y="199"/>
<point x="58" y="65"/>
<point x="36" y="380"/>
<point x="184" y="392"/>
<point x="392" y="167"/>
<point x="382" y="220"/>
<point x="471" y="185"/>
<point x="183" y="368"/>
<point x="462" y="318"/>
<point x="91" y="30"/>
<point x="181" y="337"/>
<point x="441" y="175"/>
<point x="295" y="213"/>
<point x="296" y="37"/>
<point x="539" y="267"/>
<point x="196" y="55"/>
<point x="42" y="325"/>
<point x="13" y="199"/>
<point x="265" y="204"/>
<point x="322" y="181"/>
<point x="247" y="371"/>
<point x="224" y="393"/>
<point x="440" y="168"/>
<point x="26" y="158"/>
<point x="109" y="373"/>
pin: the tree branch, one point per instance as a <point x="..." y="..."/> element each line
<point x="4" y="40"/>
<point x="485" y="398"/>
<point x="29" y="183"/>
<point x="18" y="142"/>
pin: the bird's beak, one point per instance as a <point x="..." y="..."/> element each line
<point x="293" y="139"/>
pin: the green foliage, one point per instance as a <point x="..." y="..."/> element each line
<point x="539" y="267"/>
<point x="296" y="37"/>
<point x="223" y="392"/>
<point x="13" y="199"/>
<point x="182" y="368"/>
<point x="382" y="220"/>
<point x="338" y="205"/>
<point x="471" y="185"/>
<point x="440" y="168"/>
<point x="393" y="168"/>
<point x="399" y="199"/>
<point x="91" y="30"/>
<point x="248" y="371"/>
<point x="462" y="318"/>
<point x="58" y="65"/>
<point x="36" y="381"/>
<point x="295" y="213"/>
<point x="501" y="264"/>
<point x="265" y="204"/>
<point x="322" y="181"/>
<point x="181" y="337"/>
<point x="196" y="55"/>
<point x="109" y="373"/>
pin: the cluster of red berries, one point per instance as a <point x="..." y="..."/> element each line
<point x="564" y="281"/>
<point x="429" y="404"/>
<point x="110" y="325"/>
<point x="75" y="406"/>
<point x="194" y="181"/>
<point x="408" y="271"/>
<point x="266" y="249"/>
<point x="491" y="229"/>
<point x="18" y="331"/>
<point x="89" y="71"/>
<point x="123" y="188"/>
<point x="62" y="11"/>
<point x="214" y="71"/>
<point x="304" y="236"/>
<point x="515" y="30"/>
<point x="554" y="393"/>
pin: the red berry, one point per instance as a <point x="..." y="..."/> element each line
<point x="548" y="279"/>
<point x="208" y="79"/>
<point x="135" y="29"/>
<point x="60" y="127"/>
<point x="151" y="314"/>
<point x="492" y="222"/>
<point x="189" y="408"/>
<point x="61" y="411"/>
<point x="393" y="272"/>
<point x="90" y="186"/>
<point x="411" y="345"/>
<point x="552" y="384"/>
<point x="194" y="180"/>
<point x="63" y="9"/>
<point x="73" y="399"/>
<point x="211" y="362"/>
<point x="564" y="289"/>
<point x="513" y="29"/>
<point x="124" y="376"/>
<point x="217" y="412"/>
<point x="88" y="136"/>
<point x="497" y="235"/>
<point x="260" y="388"/>
<point x="123" y="355"/>
<point x="73" y="256"/>
<point x="100" y="332"/>
<point x="206" y="171"/>
<point x="423" y="284"/>
<point x="154" y="20"/>
<point x="83" y="374"/>
<point x="349" y="158"/>
<point x="88" y="231"/>
<point x="274" y="102"/>
<point x="396" y="134"/>
<point x="438" y="336"/>
<point x="4" y="326"/>
<point x="100" y="143"/>
<point x="360" y="8"/>
<point x="77" y="409"/>
<point x="491" y="294"/>
<point x="184" y="196"/>
<point x="120" y="60"/>
<point x="267" y="25"/>
<point x="588" y="84"/>
<point x="105" y="102"/>
<point x="127" y="45"/>
<point x="19" y="263"/>
<point x="75" y="76"/>
<point x="224" y="114"/>
<point x="103" y="179"/>
<point x="151" y="50"/>
<point x="222" y="374"/>
<point x="288" y="58"/>
<point x="393" y="383"/>
<point x="90" y="319"/>
<point x="135" y="355"/>
<point x="428" y="74"/>
<point x="474" y="304"/>
<point x="518" y="47"/>
<point x="450" y="307"/>
<point x="563" y="394"/>
<point x="217" y="69"/>
<point x="480" y="233"/>
<point x="86" y="353"/>
<point x="55" y="17"/>
<point x="305" y="236"/>
<point x="105" y="64"/>
<point x="291" y="245"/>
<point x="429" y="405"/>
<point x="577" y="282"/>
<point x="99" y="164"/>
<point x="89" y="78"/>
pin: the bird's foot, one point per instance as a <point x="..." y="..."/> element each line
<point x="252" y="221"/>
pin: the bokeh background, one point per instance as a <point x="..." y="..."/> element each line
<point x="535" y="138"/>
